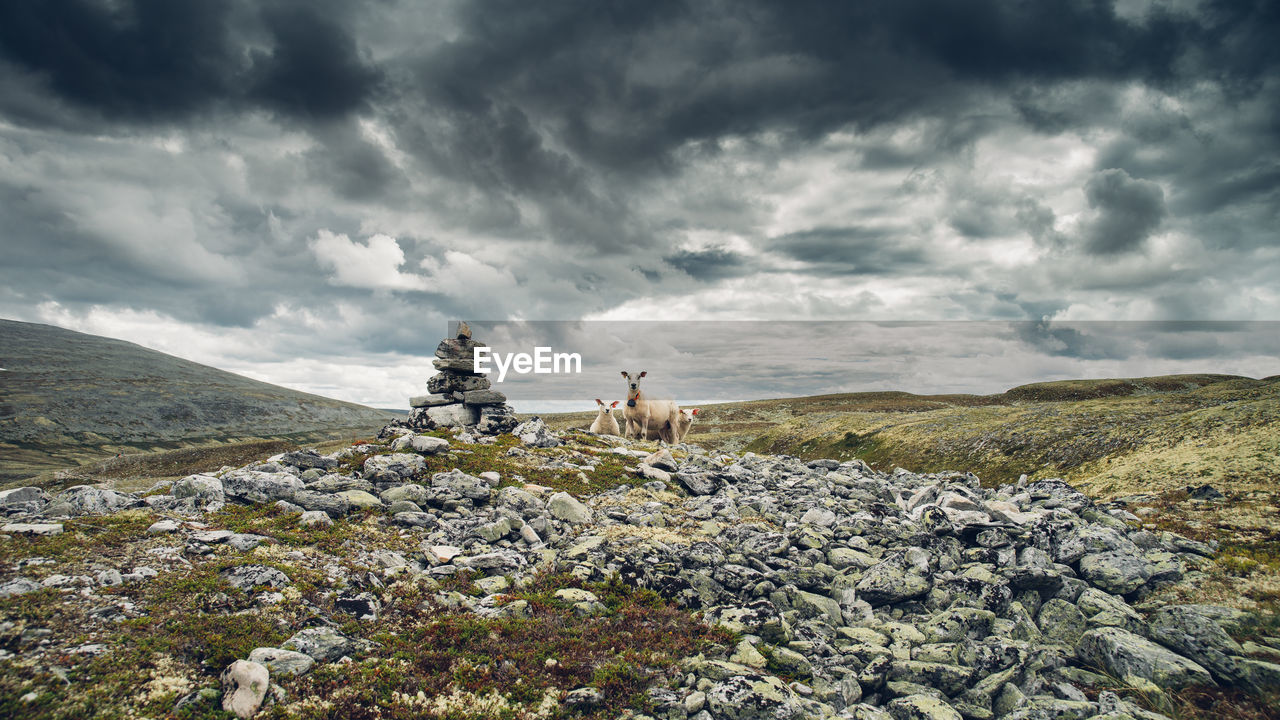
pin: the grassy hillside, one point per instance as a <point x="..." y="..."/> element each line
<point x="68" y="398"/>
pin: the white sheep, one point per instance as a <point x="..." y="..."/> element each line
<point x="664" y="433"/>
<point x="642" y="413"/>
<point x="605" y="423"/>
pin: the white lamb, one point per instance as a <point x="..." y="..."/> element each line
<point x="605" y="423"/>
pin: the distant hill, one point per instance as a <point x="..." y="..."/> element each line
<point x="1109" y="436"/>
<point x="68" y="397"/>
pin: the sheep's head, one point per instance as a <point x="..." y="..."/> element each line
<point x="633" y="386"/>
<point x="606" y="409"/>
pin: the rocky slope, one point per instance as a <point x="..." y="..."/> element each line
<point x="542" y="575"/>
<point x="66" y="397"/>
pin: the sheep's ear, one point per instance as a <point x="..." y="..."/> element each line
<point x="615" y="404"/>
<point x="643" y="373"/>
<point x="694" y="411"/>
<point x="599" y="402"/>
<point x="625" y="375"/>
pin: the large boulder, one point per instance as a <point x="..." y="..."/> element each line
<point x="534" y="432"/>
<point x="260" y="487"/>
<point x="754" y="697"/>
<point x="324" y="644"/>
<point x="1119" y="573"/>
<point x="891" y="581"/>
<point x="468" y="486"/>
<point x="1133" y="658"/>
<point x="1182" y="629"/>
<point x="205" y="488"/>
<point x="90" y="500"/>
<point x="23" y="499"/>
<point x="566" y="507"/>
<point x="393" y="468"/>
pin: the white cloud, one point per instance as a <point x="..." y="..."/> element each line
<point x="374" y="265"/>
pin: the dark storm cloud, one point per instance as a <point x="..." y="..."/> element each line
<point x="160" y="61"/>
<point x="713" y="263"/>
<point x="1128" y="211"/>
<point x="851" y="250"/>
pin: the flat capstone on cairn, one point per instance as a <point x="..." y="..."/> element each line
<point x="459" y="397"/>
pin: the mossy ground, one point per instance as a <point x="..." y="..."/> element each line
<point x="172" y="635"/>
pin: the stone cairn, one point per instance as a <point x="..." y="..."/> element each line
<point x="458" y="396"/>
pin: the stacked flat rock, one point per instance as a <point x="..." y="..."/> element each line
<point x="457" y="395"/>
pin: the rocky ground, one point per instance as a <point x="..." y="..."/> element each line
<point x="543" y="575"/>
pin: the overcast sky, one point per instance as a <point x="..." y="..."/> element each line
<point x="305" y="192"/>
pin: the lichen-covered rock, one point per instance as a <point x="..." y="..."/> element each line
<point x="921" y="707"/>
<point x="323" y="644"/>
<point x="754" y="697"/>
<point x="23" y="499"/>
<point x="360" y="499"/>
<point x="1133" y="658"/>
<point x="468" y="486"/>
<point x="308" y="459"/>
<point x="411" y="492"/>
<point x="260" y="487"/>
<point x="892" y="581"/>
<point x="393" y="468"/>
<point x="282" y="662"/>
<point x="1189" y="633"/>
<point x="18" y="586"/>
<point x="758" y="618"/>
<point x="566" y="507"/>
<point x="534" y="432"/>
<point x="425" y="444"/>
<point x="248" y="577"/>
<point x="1060" y="621"/>
<point x="90" y="500"/>
<point x="1118" y="573"/>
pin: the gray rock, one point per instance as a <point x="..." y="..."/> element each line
<point x="248" y="577"/>
<point x="662" y="459"/>
<point x="959" y="624"/>
<point x="1189" y="633"/>
<point x="315" y="518"/>
<point x="757" y="618"/>
<point x="522" y="501"/>
<point x="1131" y="657"/>
<point x="260" y="487"/>
<point x="892" y="581"/>
<point x="455" y="416"/>
<point x="282" y="662"/>
<point x="396" y="467"/>
<point x="414" y="493"/>
<point x="431" y="400"/>
<point x="468" y="486"/>
<point x="1119" y="573"/>
<point x="332" y="504"/>
<point x="450" y="383"/>
<point x="495" y="419"/>
<point x="566" y="507"/>
<point x="42" y="529"/>
<point x="360" y="499"/>
<point x="583" y="699"/>
<point x="18" y="586"/>
<point x="89" y="500"/>
<point x="29" y="498"/>
<point x="205" y="488"/>
<point x="534" y="432"/>
<point x="308" y="459"/>
<point x="161" y="527"/>
<point x="483" y="397"/>
<point x="1061" y="621"/>
<point x="416" y="519"/>
<point x="323" y="644"/>
<point x="697" y="483"/>
<point x="244" y="687"/>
